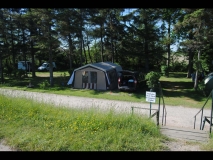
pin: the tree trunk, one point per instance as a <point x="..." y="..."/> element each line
<point x="32" y="33"/>
<point x="81" y="57"/>
<point x="85" y="55"/>
<point x="191" y="57"/>
<point x="51" y="66"/>
<point x="146" y="47"/>
<point x="96" y="59"/>
<point x="33" y="59"/>
<point x="70" y="50"/>
<point x="115" y="51"/>
<point x="197" y="71"/>
<point x="13" y="48"/>
<point x="111" y="39"/>
<point x="81" y="40"/>
<point x="89" y="51"/>
<point x="23" y="50"/>
<point x="50" y="56"/>
<point x="168" y="47"/>
<point x="112" y="49"/>
<point x="102" y="46"/>
<point x="190" y="64"/>
<point x="198" y="58"/>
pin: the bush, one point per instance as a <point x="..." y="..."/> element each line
<point x="164" y="70"/>
<point x="44" y="85"/>
<point x="152" y="79"/>
<point x="178" y="67"/>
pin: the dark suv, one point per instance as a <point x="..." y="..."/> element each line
<point x="129" y="80"/>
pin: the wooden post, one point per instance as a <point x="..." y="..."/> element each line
<point x="157" y="117"/>
<point x="150" y="106"/>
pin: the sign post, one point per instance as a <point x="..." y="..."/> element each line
<point x="150" y="97"/>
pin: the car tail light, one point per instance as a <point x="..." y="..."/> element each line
<point x="135" y="81"/>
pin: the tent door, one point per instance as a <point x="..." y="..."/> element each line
<point x="89" y="80"/>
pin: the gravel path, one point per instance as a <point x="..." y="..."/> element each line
<point x="176" y="115"/>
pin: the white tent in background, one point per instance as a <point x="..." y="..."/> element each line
<point x="99" y="76"/>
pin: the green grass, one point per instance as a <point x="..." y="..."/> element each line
<point x="35" y="126"/>
<point x="178" y="91"/>
<point x="31" y="126"/>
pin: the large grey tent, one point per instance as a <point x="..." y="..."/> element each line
<point x="98" y="76"/>
<point x="208" y="81"/>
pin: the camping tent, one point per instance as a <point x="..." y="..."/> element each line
<point x="208" y="81"/>
<point x="99" y="76"/>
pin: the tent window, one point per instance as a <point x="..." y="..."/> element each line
<point x="93" y="77"/>
<point x="85" y="76"/>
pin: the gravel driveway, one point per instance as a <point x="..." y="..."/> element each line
<point x="176" y="115"/>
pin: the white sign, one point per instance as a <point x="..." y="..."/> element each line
<point x="150" y="96"/>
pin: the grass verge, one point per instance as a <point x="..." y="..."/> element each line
<point x="32" y="126"/>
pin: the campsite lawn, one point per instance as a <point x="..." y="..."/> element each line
<point x="177" y="89"/>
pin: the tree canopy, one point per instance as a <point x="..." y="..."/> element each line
<point x="138" y="39"/>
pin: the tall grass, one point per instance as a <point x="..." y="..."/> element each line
<point x="32" y="126"/>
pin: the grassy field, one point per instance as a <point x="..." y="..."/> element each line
<point x="31" y="126"/>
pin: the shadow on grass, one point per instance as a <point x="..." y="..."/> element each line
<point x="184" y="93"/>
<point x="59" y="83"/>
<point x="139" y="93"/>
<point x="176" y="85"/>
<point x="181" y="89"/>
